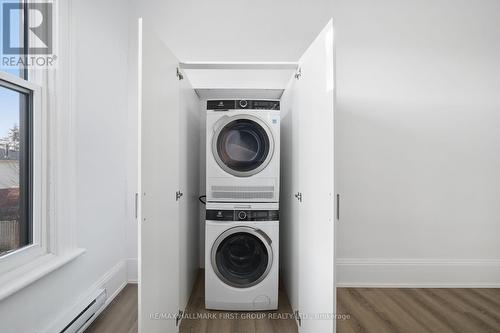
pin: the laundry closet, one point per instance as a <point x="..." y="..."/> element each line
<point x="178" y="103"/>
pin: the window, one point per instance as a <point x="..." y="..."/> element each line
<point x="23" y="235"/>
<point x="37" y="219"/>
<point x="16" y="218"/>
<point x="16" y="224"/>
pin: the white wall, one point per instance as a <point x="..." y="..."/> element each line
<point x="418" y="142"/>
<point x="101" y="124"/>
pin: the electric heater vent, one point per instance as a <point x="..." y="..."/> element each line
<point x="243" y="192"/>
<point x="83" y="318"/>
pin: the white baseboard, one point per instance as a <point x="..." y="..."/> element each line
<point x="113" y="281"/>
<point x="418" y="273"/>
<point x="132" y="270"/>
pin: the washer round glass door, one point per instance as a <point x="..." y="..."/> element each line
<point x="242" y="256"/>
<point x="243" y="145"/>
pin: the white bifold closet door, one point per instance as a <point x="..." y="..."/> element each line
<point x="314" y="98"/>
<point x="169" y="180"/>
<point x="159" y="225"/>
<point x="308" y="187"/>
<point x="189" y="132"/>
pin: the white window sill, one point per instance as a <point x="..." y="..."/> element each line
<point x="25" y="275"/>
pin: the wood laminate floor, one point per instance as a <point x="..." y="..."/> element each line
<point x="121" y="314"/>
<point x="418" y="310"/>
<point x="365" y="310"/>
<point x="280" y="321"/>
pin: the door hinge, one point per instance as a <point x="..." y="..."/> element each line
<point x="298" y="73"/>
<point x="297" y="317"/>
<point x="143" y="195"/>
<point x="338" y="207"/>
<point x="298" y="195"/>
<point x="136" y="205"/>
<point x="180" y="76"/>
<point x="178" y="317"/>
<point x="178" y="195"/>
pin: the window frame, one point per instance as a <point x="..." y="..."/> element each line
<point x="55" y="174"/>
<point x="37" y="185"/>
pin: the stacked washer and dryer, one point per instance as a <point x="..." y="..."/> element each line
<point x="242" y="208"/>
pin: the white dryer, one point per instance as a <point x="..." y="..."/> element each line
<point x="241" y="256"/>
<point x="243" y="150"/>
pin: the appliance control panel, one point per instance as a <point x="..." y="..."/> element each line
<point x="242" y="215"/>
<point x="243" y="104"/>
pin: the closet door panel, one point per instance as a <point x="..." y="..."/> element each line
<point x="314" y="93"/>
<point x="189" y="186"/>
<point x="289" y="221"/>
<point x="159" y="217"/>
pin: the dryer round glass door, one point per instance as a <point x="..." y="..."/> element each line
<point x="243" y="145"/>
<point x="242" y="256"/>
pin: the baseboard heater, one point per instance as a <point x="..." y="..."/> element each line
<point x="88" y="314"/>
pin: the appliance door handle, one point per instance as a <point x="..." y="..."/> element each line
<point x="263" y="234"/>
<point x="218" y="123"/>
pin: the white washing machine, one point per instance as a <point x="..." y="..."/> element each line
<point x="243" y="150"/>
<point x="241" y="256"/>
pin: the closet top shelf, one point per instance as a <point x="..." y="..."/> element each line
<point x="240" y="65"/>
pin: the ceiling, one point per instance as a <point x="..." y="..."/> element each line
<point x="236" y="30"/>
